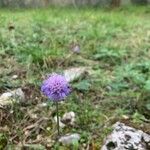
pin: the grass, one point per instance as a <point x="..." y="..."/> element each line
<point x="113" y="42"/>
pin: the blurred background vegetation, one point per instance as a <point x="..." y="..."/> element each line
<point x="43" y="3"/>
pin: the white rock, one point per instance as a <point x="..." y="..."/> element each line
<point x="14" y="77"/>
<point x="69" y="138"/>
<point x="124" y="137"/>
<point x="6" y="96"/>
<point x="74" y="73"/>
<point x="125" y="117"/>
<point x="69" y="118"/>
<point x="34" y="146"/>
<point x="12" y="96"/>
<point x="61" y="125"/>
<point x="146" y="138"/>
<point x="76" y="49"/>
<point x="18" y="93"/>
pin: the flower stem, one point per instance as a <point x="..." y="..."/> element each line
<point x="57" y="119"/>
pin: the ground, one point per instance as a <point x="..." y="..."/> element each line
<point x="114" y="43"/>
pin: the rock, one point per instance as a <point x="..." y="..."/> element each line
<point x="18" y="93"/>
<point x="124" y="138"/>
<point x="61" y="125"/>
<point x="125" y="117"/>
<point x="69" y="118"/>
<point x="12" y="96"/>
<point x="76" y="49"/>
<point x="146" y="138"/>
<point x="69" y="139"/>
<point x="14" y="77"/>
<point x="74" y="73"/>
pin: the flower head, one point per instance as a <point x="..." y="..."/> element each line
<point x="55" y="87"/>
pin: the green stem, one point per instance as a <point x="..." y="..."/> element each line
<point x="57" y="119"/>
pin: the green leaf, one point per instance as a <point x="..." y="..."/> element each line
<point x="75" y="145"/>
<point x="137" y="117"/>
<point x="3" y="141"/>
<point x="148" y="106"/>
<point x="83" y="85"/>
<point x="147" y="85"/>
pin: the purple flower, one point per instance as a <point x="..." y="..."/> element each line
<point x="55" y="87"/>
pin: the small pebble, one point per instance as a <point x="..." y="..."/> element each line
<point x="61" y="125"/>
<point x="69" y="138"/>
<point x="14" y="77"/>
<point x="69" y="118"/>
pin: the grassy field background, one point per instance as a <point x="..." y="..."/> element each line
<point x="114" y="43"/>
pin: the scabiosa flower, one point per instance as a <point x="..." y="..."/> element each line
<point x="56" y="87"/>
